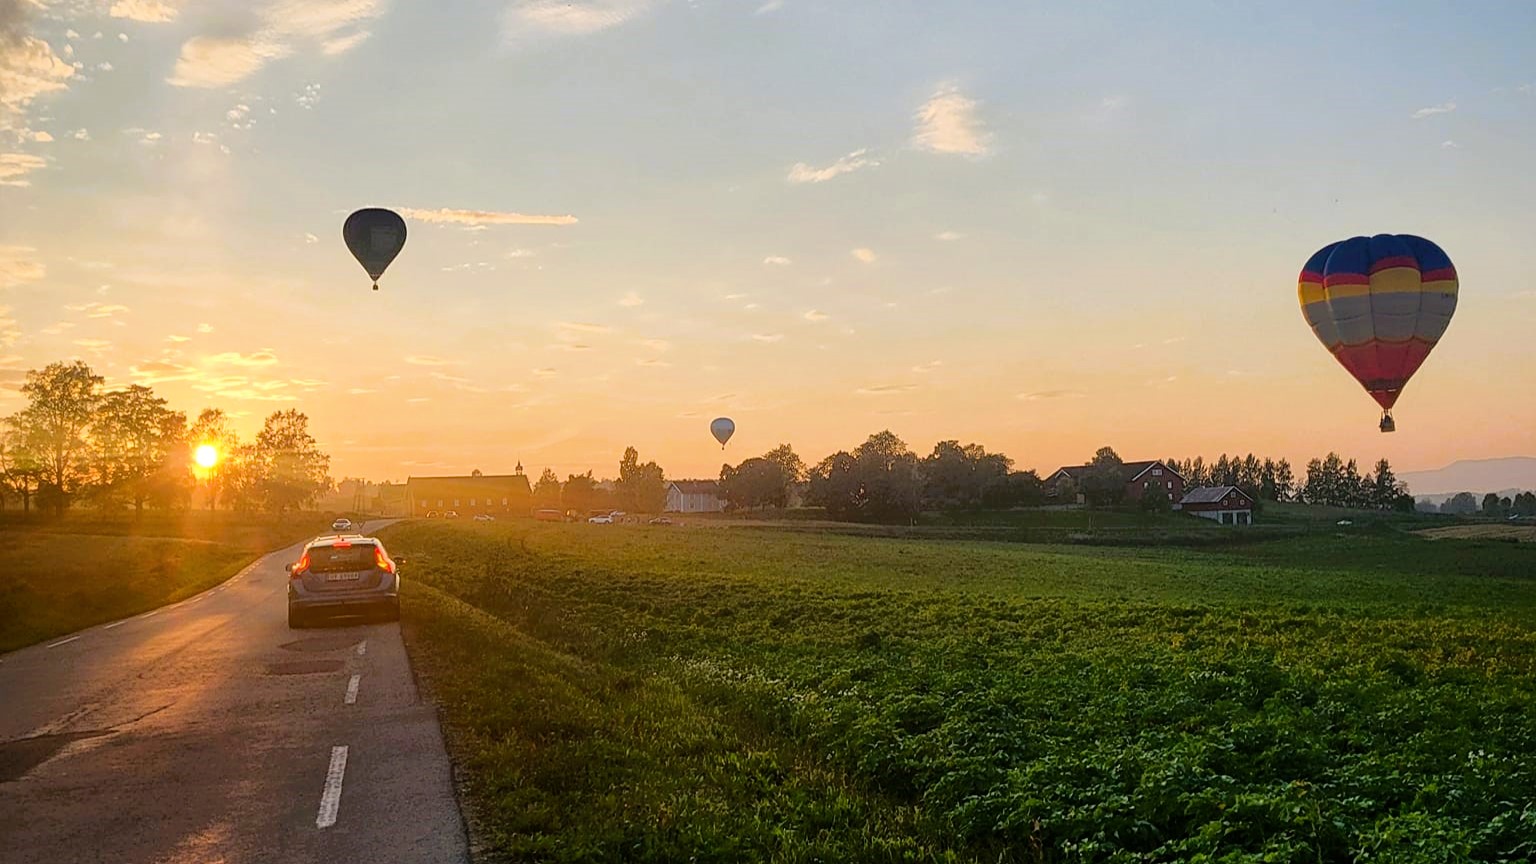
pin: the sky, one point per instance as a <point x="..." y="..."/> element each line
<point x="1043" y="227"/>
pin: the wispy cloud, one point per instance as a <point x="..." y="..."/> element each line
<point x="947" y="123"/>
<point x="14" y="167"/>
<point x="279" y="28"/>
<point x="867" y="256"/>
<point x="28" y="66"/>
<point x="656" y="344"/>
<point x="885" y="389"/>
<point x="1449" y="145"/>
<point x="631" y="300"/>
<point x="925" y="368"/>
<point x="18" y="266"/>
<point x="428" y="360"/>
<point x="97" y="310"/>
<point x="1442" y="108"/>
<point x="445" y="215"/>
<point x="768" y="338"/>
<point x="1050" y="394"/>
<point x="815" y="315"/>
<point x="145" y="11"/>
<point x="948" y="236"/>
<point x="800" y="172"/>
<point x="582" y="327"/>
<point x="777" y="261"/>
<point x="264" y="357"/>
<point x="94" y="346"/>
<point x="533" y="17"/>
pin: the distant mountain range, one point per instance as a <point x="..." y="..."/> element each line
<point x="1505" y="476"/>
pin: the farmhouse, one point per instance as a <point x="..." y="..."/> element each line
<point x="1066" y="485"/>
<point x="1228" y="505"/>
<point x="476" y="494"/>
<point x="694" y="496"/>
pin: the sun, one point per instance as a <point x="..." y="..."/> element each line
<point x="206" y="456"/>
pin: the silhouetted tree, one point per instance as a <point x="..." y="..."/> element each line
<point x="956" y="476"/>
<point x="1460" y="504"/>
<point x="546" y="492"/>
<point x="139" y="448"/>
<point x="579" y="493"/>
<point x="61" y="401"/>
<point x="291" y="469"/>
<point x="641" y="488"/>
<point x="1104" y="481"/>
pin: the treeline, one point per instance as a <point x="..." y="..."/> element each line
<point x="77" y="443"/>
<point x="1330" y="480"/>
<point x="882" y="480"/>
<point x="1494" y="506"/>
<point x="640" y="488"/>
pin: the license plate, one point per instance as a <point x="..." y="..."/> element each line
<point x="343" y="577"/>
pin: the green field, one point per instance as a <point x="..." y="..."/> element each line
<point x="61" y="575"/>
<point x="732" y="694"/>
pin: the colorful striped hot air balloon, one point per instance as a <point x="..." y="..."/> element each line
<point x="1379" y="304"/>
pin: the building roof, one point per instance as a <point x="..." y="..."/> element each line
<point x="1131" y="470"/>
<point x="1212" y="494"/>
<point x="697" y="487"/>
<point x="470" y="484"/>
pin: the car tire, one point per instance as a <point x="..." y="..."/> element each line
<point x="391" y="611"/>
<point x="296" y="619"/>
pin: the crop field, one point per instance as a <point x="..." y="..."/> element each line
<point x="1525" y="533"/>
<point x="722" y="694"/>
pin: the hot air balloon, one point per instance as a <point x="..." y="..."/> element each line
<point x="1379" y="304"/>
<point x="722" y="428"/>
<point x="375" y="236"/>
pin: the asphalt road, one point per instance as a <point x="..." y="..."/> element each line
<point x="210" y="732"/>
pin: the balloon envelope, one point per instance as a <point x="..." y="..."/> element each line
<point x="375" y="236"/>
<point x="1379" y="304"/>
<point x="722" y="428"/>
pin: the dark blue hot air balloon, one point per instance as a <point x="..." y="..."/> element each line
<point x="375" y="236"/>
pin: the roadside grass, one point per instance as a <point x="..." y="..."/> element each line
<point x="651" y="694"/>
<point x="64" y="575"/>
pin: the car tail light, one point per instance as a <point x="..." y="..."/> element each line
<point x="382" y="561"/>
<point x="342" y="544"/>
<point x="299" y="568"/>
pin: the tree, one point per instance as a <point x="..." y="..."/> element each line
<point x="1460" y="504"/>
<point x="1020" y="489"/>
<point x="1525" y="504"/>
<point x="546" y="492"/>
<point x="1385" y="490"/>
<point x="755" y="483"/>
<point x="61" y="403"/>
<point x="956" y="476"/>
<point x="790" y="464"/>
<point x="1285" y="481"/>
<point x="642" y="488"/>
<point x="136" y="441"/>
<point x="1155" y="499"/>
<point x="1104" y="481"/>
<point x="834" y="484"/>
<point x="212" y="428"/>
<point x="579" y="493"/>
<point x="1491" y="505"/>
<point x="20" y="472"/>
<point x="292" y="470"/>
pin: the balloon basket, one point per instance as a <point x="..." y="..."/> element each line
<point x="1387" y="423"/>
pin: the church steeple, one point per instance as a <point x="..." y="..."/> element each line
<point x="519" y="466"/>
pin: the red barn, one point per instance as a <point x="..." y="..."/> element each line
<point x="1065" y="486"/>
<point x="1228" y="505"/>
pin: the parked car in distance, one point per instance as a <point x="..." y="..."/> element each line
<point x="548" y="515"/>
<point x="433" y="514"/>
<point x="450" y="514"/>
<point x="604" y="519"/>
<point x="342" y="524"/>
<point x="661" y="520"/>
<point x="1345" y="522"/>
<point x="343" y="574"/>
<point x="484" y="517"/>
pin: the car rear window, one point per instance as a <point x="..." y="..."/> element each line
<point x="340" y="559"/>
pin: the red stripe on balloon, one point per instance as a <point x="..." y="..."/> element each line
<point x="1381" y="264"/>
<point x="1444" y="274"/>
<point x="1346" y="279"/>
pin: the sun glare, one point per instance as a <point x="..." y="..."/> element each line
<point x="206" y="456"/>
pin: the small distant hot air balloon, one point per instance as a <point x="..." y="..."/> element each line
<point x="375" y="236"/>
<point x="1379" y="304"/>
<point x="722" y="428"/>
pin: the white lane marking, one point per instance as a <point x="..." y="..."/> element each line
<point x="352" y="689"/>
<point x="330" y="799"/>
<point x="362" y="648"/>
<point x="63" y="641"/>
<point x="197" y="598"/>
<point x="149" y="614"/>
<point x="115" y="624"/>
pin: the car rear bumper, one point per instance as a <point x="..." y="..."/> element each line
<point x="385" y="594"/>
